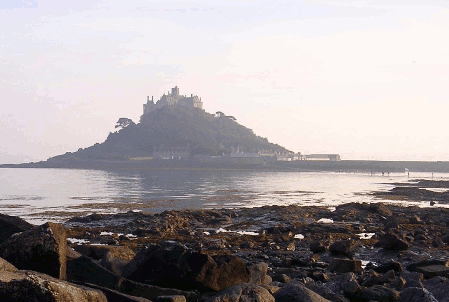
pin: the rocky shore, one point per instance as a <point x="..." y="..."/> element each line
<point x="354" y="252"/>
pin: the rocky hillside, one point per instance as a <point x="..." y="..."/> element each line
<point x="195" y="130"/>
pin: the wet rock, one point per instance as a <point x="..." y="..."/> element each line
<point x="296" y="292"/>
<point x="172" y="265"/>
<point x="391" y="241"/>
<point x="10" y="225"/>
<point x="414" y="294"/>
<point x="42" y="249"/>
<point x="343" y="247"/>
<point x="36" y="287"/>
<point x="243" y="292"/>
<point x="345" y="265"/>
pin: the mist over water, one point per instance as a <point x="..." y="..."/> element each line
<point x="40" y="195"/>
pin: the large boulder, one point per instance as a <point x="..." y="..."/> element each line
<point x="172" y="265"/>
<point x="42" y="249"/>
<point x="10" y="225"/>
<point x="84" y="270"/>
<point x="36" y="287"/>
<point x="296" y="292"/>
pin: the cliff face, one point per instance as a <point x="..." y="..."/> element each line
<point x="191" y="129"/>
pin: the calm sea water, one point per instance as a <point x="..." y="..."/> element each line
<point x="40" y="195"/>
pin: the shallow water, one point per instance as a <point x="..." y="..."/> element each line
<point x="40" y="195"/>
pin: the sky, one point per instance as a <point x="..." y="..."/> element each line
<point x="364" y="79"/>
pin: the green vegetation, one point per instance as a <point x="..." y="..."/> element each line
<point x="175" y="127"/>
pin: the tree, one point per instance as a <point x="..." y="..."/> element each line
<point x="124" y="122"/>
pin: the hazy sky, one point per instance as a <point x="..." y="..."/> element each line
<point x="365" y="79"/>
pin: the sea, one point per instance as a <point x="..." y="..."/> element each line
<point x="41" y="195"/>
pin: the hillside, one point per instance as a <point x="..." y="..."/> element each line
<point x="191" y="129"/>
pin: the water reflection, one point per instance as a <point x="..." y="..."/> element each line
<point x="38" y="194"/>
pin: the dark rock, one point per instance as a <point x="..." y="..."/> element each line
<point x="413" y="267"/>
<point x="378" y="293"/>
<point x="173" y="265"/>
<point x="85" y="271"/>
<point x="283" y="278"/>
<point x="247" y="244"/>
<point x="380" y="208"/>
<point x="431" y="271"/>
<point x="439" y="287"/>
<point x="373" y="278"/>
<point x="243" y="292"/>
<point x="414" y="294"/>
<point x="421" y="237"/>
<point x="296" y="292"/>
<point x="10" y="225"/>
<point x="345" y="265"/>
<point x="350" y="286"/>
<point x="326" y="293"/>
<point x="42" y="249"/>
<point x="36" y="287"/>
<point x="388" y="266"/>
<point x="170" y="299"/>
<point x="391" y="241"/>
<point x="343" y="247"/>
<point x="318" y="246"/>
<point x="391" y="223"/>
<point x="99" y="251"/>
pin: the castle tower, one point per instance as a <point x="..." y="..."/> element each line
<point x="175" y="91"/>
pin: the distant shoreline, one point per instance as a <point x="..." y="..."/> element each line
<point x="351" y="166"/>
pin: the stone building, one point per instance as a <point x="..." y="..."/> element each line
<point x="171" y="100"/>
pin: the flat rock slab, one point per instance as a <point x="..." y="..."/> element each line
<point x="433" y="271"/>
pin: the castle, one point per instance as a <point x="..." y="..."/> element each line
<point x="171" y="100"/>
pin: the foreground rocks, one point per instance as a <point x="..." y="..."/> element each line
<point x="41" y="249"/>
<point x="365" y="252"/>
